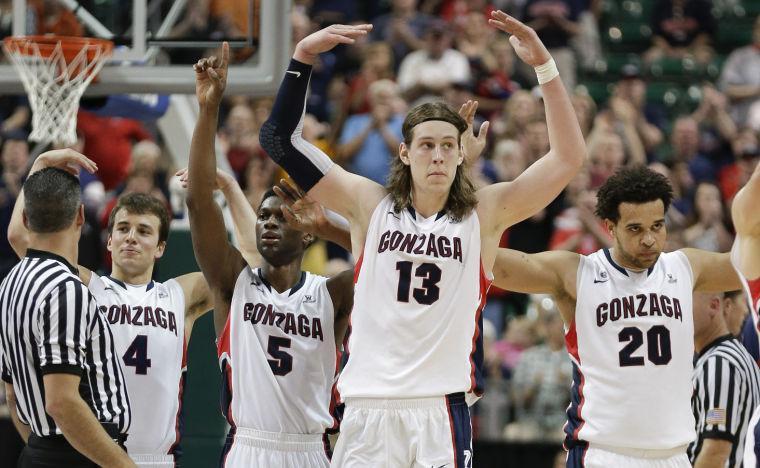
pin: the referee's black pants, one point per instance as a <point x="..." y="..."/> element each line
<point x="53" y="452"/>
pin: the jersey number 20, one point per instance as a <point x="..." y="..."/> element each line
<point x="430" y="274"/>
<point x="658" y="346"/>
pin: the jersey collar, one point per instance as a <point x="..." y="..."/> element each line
<point x="44" y="254"/>
<point x="620" y="268"/>
<point x="292" y="290"/>
<point x="715" y="343"/>
<point x="148" y="286"/>
<point x="438" y="216"/>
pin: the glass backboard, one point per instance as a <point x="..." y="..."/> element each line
<point x="157" y="40"/>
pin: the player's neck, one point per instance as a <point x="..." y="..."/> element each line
<point x="143" y="277"/>
<point x="705" y="337"/>
<point x="428" y="203"/>
<point x="621" y="261"/>
<point x="64" y="244"/>
<point x="282" y="277"/>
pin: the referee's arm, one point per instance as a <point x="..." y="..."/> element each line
<point x="62" y="332"/>
<point x="722" y="421"/>
<point x="10" y="399"/>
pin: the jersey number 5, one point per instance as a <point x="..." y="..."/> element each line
<point x="658" y="346"/>
<point x="137" y="355"/>
<point x="282" y="363"/>
<point x="430" y="274"/>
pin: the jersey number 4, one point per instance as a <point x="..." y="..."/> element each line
<point x="137" y="355"/>
<point x="430" y="274"/>
<point x="658" y="346"/>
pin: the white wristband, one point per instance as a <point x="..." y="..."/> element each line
<point x="546" y="72"/>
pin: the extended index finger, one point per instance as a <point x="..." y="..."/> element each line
<point x="225" y="54"/>
<point x="507" y="23"/>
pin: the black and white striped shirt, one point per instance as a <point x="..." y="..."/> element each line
<point x="726" y="391"/>
<point x="50" y="323"/>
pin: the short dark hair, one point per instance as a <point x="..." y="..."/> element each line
<point x="141" y="203"/>
<point x="51" y="200"/>
<point x="636" y="184"/>
<point x="271" y="193"/>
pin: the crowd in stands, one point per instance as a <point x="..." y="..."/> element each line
<point x="706" y="143"/>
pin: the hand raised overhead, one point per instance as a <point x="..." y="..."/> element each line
<point x="211" y="77"/>
<point x="523" y="38"/>
<point x="327" y="38"/>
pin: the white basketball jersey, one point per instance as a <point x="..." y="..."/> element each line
<point x="278" y="355"/>
<point x="632" y="346"/>
<point x="148" y="326"/>
<point x="420" y="288"/>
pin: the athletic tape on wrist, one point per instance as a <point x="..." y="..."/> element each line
<point x="547" y="71"/>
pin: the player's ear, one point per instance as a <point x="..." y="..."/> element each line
<point x="403" y="153"/>
<point x="610" y="226"/>
<point x="80" y="216"/>
<point x="160" y="250"/>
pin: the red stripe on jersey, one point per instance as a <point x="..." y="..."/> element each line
<point x="453" y="433"/>
<point x="334" y="396"/>
<point x="485" y="283"/>
<point x="358" y="267"/>
<point x="223" y="343"/>
<point x="754" y="291"/>
<point x="571" y="342"/>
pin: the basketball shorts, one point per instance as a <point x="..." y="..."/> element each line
<point x="153" y="461"/>
<point x="246" y="448"/>
<point x="425" y="432"/>
<point x="752" y="442"/>
<point x="597" y="457"/>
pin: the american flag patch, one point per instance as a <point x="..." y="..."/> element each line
<point x="716" y="416"/>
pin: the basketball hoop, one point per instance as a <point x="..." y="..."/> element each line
<point x="55" y="71"/>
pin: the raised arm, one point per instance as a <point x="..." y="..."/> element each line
<point x="341" y="287"/>
<point x="198" y="298"/>
<point x="746" y="216"/>
<point x="507" y="203"/>
<point x="350" y="195"/>
<point x="713" y="272"/>
<point x="220" y="262"/>
<point x="552" y="272"/>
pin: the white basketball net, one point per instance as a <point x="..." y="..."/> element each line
<point x="55" y="86"/>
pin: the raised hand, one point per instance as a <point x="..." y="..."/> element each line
<point x="301" y="212"/>
<point x="223" y="180"/>
<point x="66" y="159"/>
<point x="325" y="39"/>
<point x="472" y="145"/>
<point x="523" y="38"/>
<point x="211" y="77"/>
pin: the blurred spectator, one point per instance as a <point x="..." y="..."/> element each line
<point x="675" y="217"/>
<point x="370" y="140"/>
<point x="606" y="155"/>
<point x="619" y="118"/>
<point x="540" y="384"/>
<point x="684" y="141"/>
<point x="108" y="142"/>
<point x="535" y="139"/>
<point x="492" y="76"/>
<point x="717" y="128"/>
<point x="148" y="158"/>
<point x="519" y="110"/>
<point x="474" y="36"/>
<point x="708" y="231"/>
<point x="433" y="69"/>
<point x="577" y="228"/>
<point x="508" y="160"/>
<point x="647" y="119"/>
<point x="745" y="149"/>
<point x="14" y="113"/>
<point x="239" y="138"/>
<point x="52" y="17"/>
<point x="585" y="110"/>
<point x="258" y="178"/>
<point x="740" y="78"/>
<point x="682" y="28"/>
<point x="519" y="336"/>
<point x="587" y="43"/>
<point x="402" y="28"/>
<point x="377" y="64"/>
<point x="14" y="157"/>
<point x="556" y="22"/>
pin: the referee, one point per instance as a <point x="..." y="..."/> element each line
<point x="58" y="359"/>
<point x="726" y="384"/>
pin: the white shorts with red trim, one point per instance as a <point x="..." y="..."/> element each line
<point x="420" y="432"/>
<point x="153" y="461"/>
<point x="250" y="447"/>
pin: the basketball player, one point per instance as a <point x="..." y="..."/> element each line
<point x="276" y="324"/>
<point x="630" y="333"/>
<point x="746" y="258"/>
<point x="425" y="247"/>
<point x="149" y="320"/>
